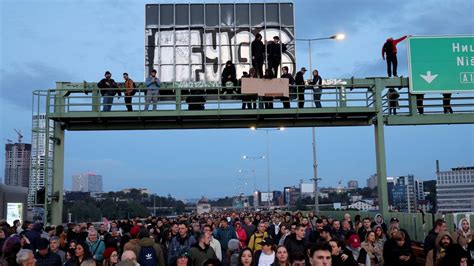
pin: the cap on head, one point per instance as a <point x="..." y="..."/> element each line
<point x="267" y="241"/>
<point x="276" y="38"/>
<point x="394" y="220"/>
<point x="303" y="69"/>
<point x="107" y="73"/>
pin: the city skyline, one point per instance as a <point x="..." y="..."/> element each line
<point x="188" y="162"/>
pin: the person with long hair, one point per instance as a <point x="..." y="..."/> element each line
<point x="380" y="240"/>
<point x="245" y="257"/>
<point x="281" y="257"/>
<point x="81" y="254"/>
<point x="369" y="252"/>
<point x="111" y="257"/>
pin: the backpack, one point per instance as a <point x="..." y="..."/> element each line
<point x="147" y="256"/>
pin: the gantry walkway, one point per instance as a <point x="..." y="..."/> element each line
<point x="345" y="102"/>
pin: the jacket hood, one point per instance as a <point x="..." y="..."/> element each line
<point x="441" y="235"/>
<point x="146" y="242"/>
<point x="460" y="223"/>
<point x="378" y="215"/>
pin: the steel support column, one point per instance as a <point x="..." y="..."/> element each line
<point x="58" y="175"/>
<point x="380" y="150"/>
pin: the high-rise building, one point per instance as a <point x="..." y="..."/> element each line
<point x="87" y="182"/>
<point x="455" y="190"/>
<point x="372" y="181"/>
<point x="352" y="184"/>
<point x="40" y="167"/>
<point x="406" y="192"/>
<point x="17" y="164"/>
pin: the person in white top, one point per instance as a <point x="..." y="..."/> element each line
<point x="265" y="256"/>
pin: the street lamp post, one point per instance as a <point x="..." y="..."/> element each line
<point x="268" y="159"/>
<point x="315" y="178"/>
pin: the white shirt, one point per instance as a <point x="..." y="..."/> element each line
<point x="266" y="260"/>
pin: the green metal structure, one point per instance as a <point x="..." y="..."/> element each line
<point x="348" y="102"/>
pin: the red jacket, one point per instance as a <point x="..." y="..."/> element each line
<point x="392" y="45"/>
<point x="242" y="237"/>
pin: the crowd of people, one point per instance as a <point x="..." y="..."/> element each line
<point x="246" y="238"/>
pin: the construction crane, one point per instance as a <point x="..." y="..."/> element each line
<point x="8" y="140"/>
<point x="20" y="136"/>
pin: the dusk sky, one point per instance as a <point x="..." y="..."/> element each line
<point x="47" y="41"/>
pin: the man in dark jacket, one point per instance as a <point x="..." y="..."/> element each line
<point x="430" y="239"/>
<point x="202" y="251"/>
<point x="291" y="82"/>
<point x="44" y="257"/>
<point x="181" y="240"/>
<point x="390" y="50"/>
<point x="295" y="243"/>
<point x="229" y="74"/>
<point x="34" y="235"/>
<point x="258" y="54"/>
<point x="274" y="51"/>
<point x="299" y="82"/>
<point x="108" y="89"/>
<point x="225" y="233"/>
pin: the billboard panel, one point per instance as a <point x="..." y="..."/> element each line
<point x="192" y="42"/>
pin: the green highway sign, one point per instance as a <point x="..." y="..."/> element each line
<point x="441" y="63"/>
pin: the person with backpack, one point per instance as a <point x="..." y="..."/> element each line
<point x="96" y="246"/>
<point x="149" y="253"/>
<point x="129" y="91"/>
<point x="389" y="50"/>
<point x="257" y="237"/>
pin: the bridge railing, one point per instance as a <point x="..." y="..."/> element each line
<point x="417" y="224"/>
<point x="432" y="103"/>
<point x="77" y="97"/>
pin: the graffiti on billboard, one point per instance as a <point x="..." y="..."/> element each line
<point x="199" y="54"/>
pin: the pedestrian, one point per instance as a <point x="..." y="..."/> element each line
<point x="44" y="256"/>
<point x="153" y="85"/>
<point x="436" y="256"/>
<point x="464" y="234"/>
<point x="281" y="257"/>
<point x="320" y="254"/>
<point x="291" y="82"/>
<point x="274" y="51"/>
<point x="397" y="251"/>
<point x="447" y="103"/>
<point x="129" y="92"/>
<point x="258" y="55"/>
<point x="202" y="250"/>
<point x="430" y="240"/>
<point x="317" y="89"/>
<point x="111" y="256"/>
<point x="257" y="237"/>
<point x="392" y="96"/>
<point x="300" y="86"/>
<point x="340" y="255"/>
<point x="25" y="257"/>
<point x="229" y="75"/>
<point x="265" y="256"/>
<point x="225" y="233"/>
<point x="149" y="252"/>
<point x="241" y="234"/>
<point x="419" y="103"/>
<point x="180" y="241"/>
<point x="389" y="50"/>
<point x="246" y="258"/>
<point x="369" y="252"/>
<point x="108" y="89"/>
<point x="96" y="246"/>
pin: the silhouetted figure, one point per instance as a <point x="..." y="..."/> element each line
<point x="447" y="103"/>
<point x="274" y="51"/>
<point x="317" y="89"/>
<point x="390" y="50"/>
<point x="258" y="54"/>
<point x="299" y="82"/>
<point x="392" y="96"/>
<point x="419" y="103"/>
<point x="229" y="75"/>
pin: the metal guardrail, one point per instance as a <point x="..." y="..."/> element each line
<point x="428" y="103"/>
<point x="210" y="98"/>
<point x="416" y="224"/>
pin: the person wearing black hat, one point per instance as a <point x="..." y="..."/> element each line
<point x="274" y="50"/>
<point x="108" y="90"/>
<point x="45" y="257"/>
<point x="265" y="256"/>
<point x="299" y="82"/>
<point x="229" y="74"/>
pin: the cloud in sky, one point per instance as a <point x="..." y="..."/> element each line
<point x="44" y="42"/>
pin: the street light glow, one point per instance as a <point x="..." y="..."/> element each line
<point x="253" y="128"/>
<point x="339" y="36"/>
<point x="281" y="128"/>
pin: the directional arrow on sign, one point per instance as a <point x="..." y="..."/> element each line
<point x="428" y="77"/>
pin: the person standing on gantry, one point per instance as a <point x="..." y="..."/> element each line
<point x="389" y="50"/>
<point x="153" y="84"/>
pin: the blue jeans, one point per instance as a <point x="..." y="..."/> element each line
<point x="107" y="101"/>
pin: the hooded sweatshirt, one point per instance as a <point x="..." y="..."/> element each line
<point x="436" y="255"/>
<point x="461" y="237"/>
<point x="148" y="242"/>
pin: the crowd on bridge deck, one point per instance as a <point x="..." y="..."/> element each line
<point x="231" y="238"/>
<point x="270" y="55"/>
